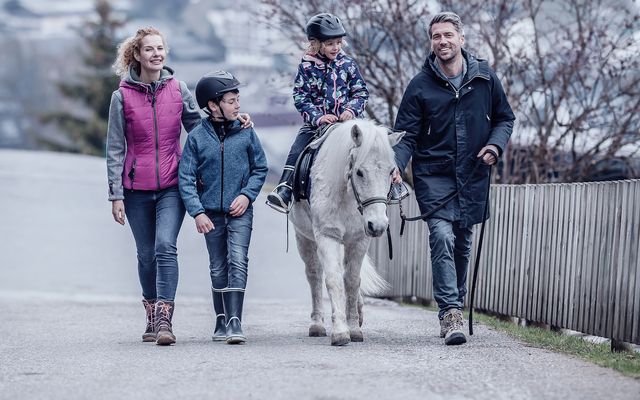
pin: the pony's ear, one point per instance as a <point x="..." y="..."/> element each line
<point x="395" y="137"/>
<point x="356" y="135"/>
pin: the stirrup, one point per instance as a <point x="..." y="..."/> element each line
<point x="277" y="202"/>
<point x="278" y="207"/>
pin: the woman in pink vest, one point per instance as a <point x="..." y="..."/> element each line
<point x="143" y="151"/>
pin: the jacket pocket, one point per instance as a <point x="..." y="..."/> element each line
<point x="439" y="167"/>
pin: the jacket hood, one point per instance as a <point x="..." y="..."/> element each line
<point x="232" y="127"/>
<point x="133" y="78"/>
<point x="476" y="67"/>
<point x="319" y="60"/>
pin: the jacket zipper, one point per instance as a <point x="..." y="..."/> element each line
<point x="222" y="137"/>
<point x="457" y="91"/>
<point x="155" y="130"/>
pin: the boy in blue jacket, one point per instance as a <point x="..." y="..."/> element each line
<point x="222" y="170"/>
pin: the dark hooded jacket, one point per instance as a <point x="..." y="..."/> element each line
<point x="445" y="129"/>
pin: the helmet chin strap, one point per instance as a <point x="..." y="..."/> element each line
<point x="214" y="118"/>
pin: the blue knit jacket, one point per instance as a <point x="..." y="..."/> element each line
<point x="213" y="172"/>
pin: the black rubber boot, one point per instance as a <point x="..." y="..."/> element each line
<point x="149" y="334"/>
<point x="233" y="312"/>
<point x="220" y="330"/>
<point x="280" y="198"/>
<point x="164" y="329"/>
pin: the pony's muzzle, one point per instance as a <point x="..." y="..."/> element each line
<point x="374" y="229"/>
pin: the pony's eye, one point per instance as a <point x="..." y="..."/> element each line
<point x="359" y="173"/>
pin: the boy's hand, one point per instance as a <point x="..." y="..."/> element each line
<point x="239" y="206"/>
<point x="346" y="115"/>
<point x="203" y="223"/>
<point x="327" y="119"/>
<point x="246" y="120"/>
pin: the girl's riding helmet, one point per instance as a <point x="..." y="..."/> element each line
<point x="325" y="26"/>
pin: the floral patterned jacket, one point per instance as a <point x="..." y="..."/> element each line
<point x="324" y="86"/>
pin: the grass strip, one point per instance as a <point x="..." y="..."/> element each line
<point x="627" y="363"/>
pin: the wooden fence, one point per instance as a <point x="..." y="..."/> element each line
<point x="566" y="255"/>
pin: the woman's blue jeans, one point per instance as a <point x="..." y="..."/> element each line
<point x="155" y="218"/>
<point x="228" y="246"/>
<point x="450" y="249"/>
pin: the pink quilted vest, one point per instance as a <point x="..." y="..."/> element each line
<point x="153" y="126"/>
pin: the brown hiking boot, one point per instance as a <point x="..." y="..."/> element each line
<point x="454" y="323"/>
<point x="149" y="334"/>
<point x="443" y="328"/>
<point x="163" y="328"/>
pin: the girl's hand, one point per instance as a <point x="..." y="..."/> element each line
<point x="203" y="223"/>
<point x="246" y="120"/>
<point x="117" y="210"/>
<point x="327" y="119"/>
<point x="346" y="115"/>
<point x="239" y="206"/>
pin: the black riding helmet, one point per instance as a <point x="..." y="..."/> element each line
<point x="213" y="86"/>
<point x="325" y="26"/>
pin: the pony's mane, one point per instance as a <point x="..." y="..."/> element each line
<point x="339" y="144"/>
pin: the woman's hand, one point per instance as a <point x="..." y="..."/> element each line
<point x="239" y="206"/>
<point x="246" y="120"/>
<point x="346" y="115"/>
<point x="203" y="223"/>
<point x="327" y="119"/>
<point x="117" y="210"/>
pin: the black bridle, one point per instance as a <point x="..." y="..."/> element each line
<point x="369" y="201"/>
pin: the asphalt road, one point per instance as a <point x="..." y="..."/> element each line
<point x="71" y="318"/>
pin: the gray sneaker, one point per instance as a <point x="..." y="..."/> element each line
<point x="454" y="324"/>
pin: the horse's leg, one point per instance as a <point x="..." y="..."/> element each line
<point x="331" y="255"/>
<point x="354" y="254"/>
<point x="308" y="252"/>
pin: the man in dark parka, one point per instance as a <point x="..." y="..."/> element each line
<point x="453" y="111"/>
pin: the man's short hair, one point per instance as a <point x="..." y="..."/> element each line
<point x="447" y="16"/>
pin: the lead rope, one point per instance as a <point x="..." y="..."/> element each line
<point x="287" y="251"/>
<point x="390" y="243"/>
<point x="477" y="262"/>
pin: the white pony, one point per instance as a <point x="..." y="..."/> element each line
<point x="350" y="181"/>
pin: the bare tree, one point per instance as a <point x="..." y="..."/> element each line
<point x="570" y="69"/>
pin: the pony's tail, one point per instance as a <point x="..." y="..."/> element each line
<point x="371" y="283"/>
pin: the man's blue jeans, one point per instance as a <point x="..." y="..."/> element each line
<point x="450" y="248"/>
<point x="155" y="218"/>
<point x="228" y="246"/>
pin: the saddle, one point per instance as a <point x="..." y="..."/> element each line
<point x="301" y="179"/>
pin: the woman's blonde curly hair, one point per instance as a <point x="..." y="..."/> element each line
<point x="129" y="47"/>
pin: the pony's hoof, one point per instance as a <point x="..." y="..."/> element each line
<point x="340" y="339"/>
<point x="317" y="331"/>
<point x="356" y="335"/>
